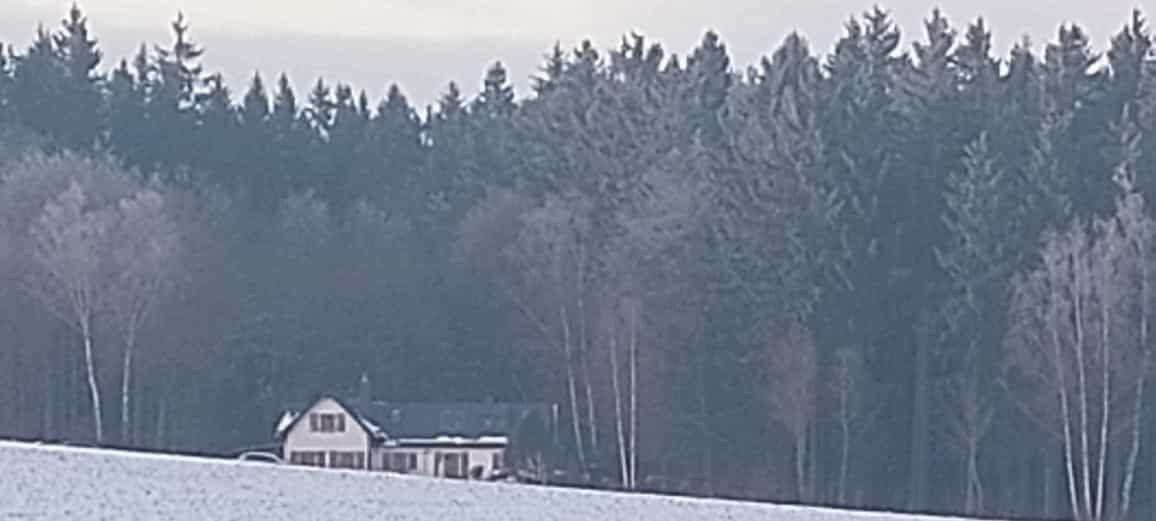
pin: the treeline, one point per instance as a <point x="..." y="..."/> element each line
<point x="896" y="276"/>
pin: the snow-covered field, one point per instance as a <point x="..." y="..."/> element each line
<point x="61" y="483"/>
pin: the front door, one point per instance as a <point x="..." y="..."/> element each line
<point x="457" y="464"/>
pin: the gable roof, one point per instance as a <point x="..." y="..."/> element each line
<point x="291" y="417"/>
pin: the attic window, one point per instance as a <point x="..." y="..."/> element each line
<point x="327" y="422"/>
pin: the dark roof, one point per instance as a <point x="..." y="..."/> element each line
<point x="429" y="420"/>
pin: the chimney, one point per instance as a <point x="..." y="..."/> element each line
<point x="364" y="396"/>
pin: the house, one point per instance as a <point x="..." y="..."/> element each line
<point x="472" y="440"/>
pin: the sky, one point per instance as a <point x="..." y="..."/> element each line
<point x="422" y="45"/>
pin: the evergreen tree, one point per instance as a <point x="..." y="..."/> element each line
<point x="291" y="139"/>
<point x="393" y="156"/>
<point x="130" y="132"/>
<point x="497" y="97"/>
<point x="40" y="88"/>
<point x="255" y="105"/>
<point x="7" y="106"/>
<point x="709" y="82"/>
<point x="551" y="71"/>
<point x="180" y="73"/>
<point x="83" y="96"/>
<point x="1076" y="92"/>
<point x="174" y="91"/>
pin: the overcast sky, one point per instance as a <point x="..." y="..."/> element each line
<point x="423" y="44"/>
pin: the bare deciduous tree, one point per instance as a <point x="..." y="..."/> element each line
<point x="69" y="240"/>
<point x="144" y="247"/>
<point x="554" y="262"/>
<point x="793" y="372"/>
<point x="851" y="394"/>
<point x="1079" y="333"/>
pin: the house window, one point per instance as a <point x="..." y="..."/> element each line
<point x="496" y="461"/>
<point x="403" y="462"/>
<point x="347" y="459"/>
<point x="327" y="422"/>
<point x="310" y="458"/>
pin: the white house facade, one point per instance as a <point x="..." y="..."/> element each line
<point x="327" y="435"/>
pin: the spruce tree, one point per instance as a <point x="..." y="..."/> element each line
<point x="255" y="105"/>
<point x="83" y="91"/>
<point x="40" y="88"/>
<point x="497" y="97"/>
<point x="174" y="91"/>
<point x="708" y="84"/>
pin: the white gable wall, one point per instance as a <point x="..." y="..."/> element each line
<point x="301" y="437"/>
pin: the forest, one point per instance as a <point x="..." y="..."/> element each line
<point x="910" y="274"/>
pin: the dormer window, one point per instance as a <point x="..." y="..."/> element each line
<point x="327" y="422"/>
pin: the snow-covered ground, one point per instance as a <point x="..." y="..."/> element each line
<point x="62" y="483"/>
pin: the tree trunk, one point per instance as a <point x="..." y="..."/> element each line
<point x="1065" y="421"/>
<point x="1105" y="398"/>
<point x="973" y="504"/>
<point x="801" y="464"/>
<point x="126" y="385"/>
<point x="704" y="424"/>
<point x="844" y="429"/>
<point x="93" y="388"/>
<point x="584" y="350"/>
<point x="633" y="398"/>
<point x="624" y="471"/>
<point x="51" y="397"/>
<point x="1082" y="386"/>
<point x="1137" y="427"/>
<point x="1047" y="482"/>
<point x="572" y="387"/>
<point x="919" y="423"/>
<point x="591" y="412"/>
<point x="162" y="410"/>
<point x="1138" y="406"/>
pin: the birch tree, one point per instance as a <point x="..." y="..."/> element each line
<point x="144" y="246"/>
<point x="851" y="392"/>
<point x="554" y="261"/>
<point x="623" y="335"/>
<point x="1079" y="330"/>
<point x="792" y="394"/>
<point x="69" y="242"/>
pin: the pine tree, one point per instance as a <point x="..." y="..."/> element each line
<point x="255" y="105"/>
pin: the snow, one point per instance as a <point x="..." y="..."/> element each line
<point x="374" y="429"/>
<point x="48" y="483"/>
<point x="284" y="422"/>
